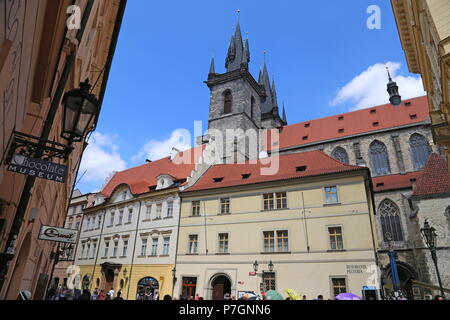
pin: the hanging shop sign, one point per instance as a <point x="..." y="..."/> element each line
<point x="58" y="234"/>
<point x="37" y="168"/>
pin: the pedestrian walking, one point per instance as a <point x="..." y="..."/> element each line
<point x="85" y="296"/>
<point x="101" y="295"/>
<point x="111" y="293"/>
<point x="119" y="296"/>
<point x="94" y="294"/>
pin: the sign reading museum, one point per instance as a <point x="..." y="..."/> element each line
<point x="58" y="234"/>
<point x="38" y="168"/>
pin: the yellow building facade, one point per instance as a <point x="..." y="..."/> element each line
<point x="313" y="234"/>
<point x="424" y="28"/>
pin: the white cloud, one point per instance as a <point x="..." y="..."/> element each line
<point x="368" y="89"/>
<point x="158" y="149"/>
<point x="100" y="159"/>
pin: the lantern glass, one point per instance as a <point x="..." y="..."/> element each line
<point x="271" y="266"/>
<point x="88" y="111"/>
<point x="71" y="114"/>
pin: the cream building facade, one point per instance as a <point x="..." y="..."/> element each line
<point x="317" y="230"/>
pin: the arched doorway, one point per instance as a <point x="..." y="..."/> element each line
<point x="221" y="285"/>
<point x="406" y="274"/>
<point x="147" y="289"/>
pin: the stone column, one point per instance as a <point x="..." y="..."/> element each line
<point x="398" y="153"/>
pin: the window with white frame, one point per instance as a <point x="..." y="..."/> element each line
<point x="77" y="225"/>
<point x="281" y="237"/>
<point x="88" y="223"/>
<point x="144" y="247"/>
<point x="99" y="221"/>
<point x="195" y="208"/>
<point x="331" y="195"/>
<point x="158" y="211"/>
<point x="94" y="250"/>
<point x="125" y="247"/>
<point x="336" y="239"/>
<point x="120" y="217"/>
<point x="166" y="246"/>
<point x="154" y="247"/>
<point x="193" y="244"/>
<point x="111" y="218"/>
<point x="115" y="248"/>
<point x="92" y="223"/>
<point x="169" y="209"/>
<point x="124" y="195"/>
<point x="223" y="243"/>
<point x="130" y="214"/>
<point x="88" y="249"/>
<point x="225" y="206"/>
<point x="83" y="249"/>
<point x="106" y="248"/>
<point x="148" y="212"/>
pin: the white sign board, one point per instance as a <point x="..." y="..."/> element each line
<point x="58" y="234"/>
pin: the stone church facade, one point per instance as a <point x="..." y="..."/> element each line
<point x="393" y="140"/>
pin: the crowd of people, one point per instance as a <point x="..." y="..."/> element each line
<point x="64" y="293"/>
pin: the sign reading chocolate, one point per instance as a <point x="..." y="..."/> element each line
<point x="38" y="168"/>
<point x="58" y="234"/>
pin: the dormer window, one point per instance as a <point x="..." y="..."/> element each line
<point x="413" y="116"/>
<point x="227" y="102"/>
<point x="218" y="180"/>
<point x="246" y="176"/>
<point x="124" y="195"/>
<point x="305" y="138"/>
<point x="376" y="124"/>
<point x="301" y="169"/>
<point x="373" y="111"/>
<point x="307" y="125"/>
<point x="341" y="118"/>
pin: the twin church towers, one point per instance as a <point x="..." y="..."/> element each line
<point x="241" y="104"/>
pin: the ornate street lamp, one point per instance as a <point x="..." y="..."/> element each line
<point x="429" y="235"/>
<point x="256" y="266"/>
<point x="174" y="274"/>
<point x="271" y="266"/>
<point x="80" y="107"/>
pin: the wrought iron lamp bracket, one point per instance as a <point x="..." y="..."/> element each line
<point x="34" y="147"/>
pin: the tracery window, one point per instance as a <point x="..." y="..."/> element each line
<point x="420" y="150"/>
<point x="390" y="220"/>
<point x="340" y="155"/>
<point x="379" y="158"/>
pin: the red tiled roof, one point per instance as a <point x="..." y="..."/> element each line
<point x="316" y="163"/>
<point x="356" y="122"/>
<point x="435" y="178"/>
<point x="142" y="178"/>
<point x="395" y="181"/>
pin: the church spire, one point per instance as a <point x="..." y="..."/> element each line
<point x="274" y="93"/>
<point x="237" y="54"/>
<point x="284" y="115"/>
<point x="392" y="89"/>
<point x="212" y="69"/>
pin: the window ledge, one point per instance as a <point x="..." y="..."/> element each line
<point x="122" y="257"/>
<point x="192" y="254"/>
<point x="128" y="223"/>
<point x="337" y="250"/>
<point x="332" y="204"/>
<point x="167" y="218"/>
<point x="164" y="256"/>
<point x="156" y="219"/>
<point x="119" y="224"/>
<point x="146" y="220"/>
<point x="223" y="254"/>
<point x="153" y="256"/>
<point x="267" y="253"/>
<point x="113" y="257"/>
<point x="225" y="214"/>
<point x="142" y="256"/>
<point x="276" y="209"/>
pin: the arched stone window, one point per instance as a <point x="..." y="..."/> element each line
<point x="227" y="102"/>
<point x="390" y="220"/>
<point x="420" y="150"/>
<point x="340" y="155"/>
<point x="379" y="158"/>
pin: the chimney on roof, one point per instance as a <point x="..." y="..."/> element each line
<point x="148" y="161"/>
<point x="174" y="153"/>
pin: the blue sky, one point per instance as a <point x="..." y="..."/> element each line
<point x="324" y="58"/>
